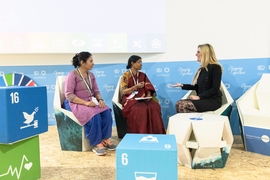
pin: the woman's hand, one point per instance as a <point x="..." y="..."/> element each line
<point x="193" y="97"/>
<point x="90" y="104"/>
<point x="177" y="85"/>
<point x="140" y="85"/>
<point x="101" y="103"/>
<point x="148" y="95"/>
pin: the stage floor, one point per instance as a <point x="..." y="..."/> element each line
<point x="68" y="165"/>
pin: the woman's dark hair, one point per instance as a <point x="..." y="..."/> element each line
<point x="133" y="58"/>
<point x="82" y="56"/>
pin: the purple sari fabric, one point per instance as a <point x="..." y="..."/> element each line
<point x="76" y="87"/>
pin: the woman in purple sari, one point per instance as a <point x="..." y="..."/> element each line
<point x="84" y="100"/>
<point x="140" y="106"/>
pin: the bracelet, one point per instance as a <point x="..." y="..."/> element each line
<point x="100" y="99"/>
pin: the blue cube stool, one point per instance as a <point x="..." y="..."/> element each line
<point x="145" y="156"/>
<point x="23" y="112"/>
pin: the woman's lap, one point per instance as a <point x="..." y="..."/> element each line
<point x="144" y="117"/>
<point x="207" y="104"/>
<point x="98" y="127"/>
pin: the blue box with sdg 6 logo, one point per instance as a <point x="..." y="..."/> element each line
<point x="147" y="157"/>
<point x="23" y="112"/>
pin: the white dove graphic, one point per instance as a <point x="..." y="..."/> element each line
<point x="29" y="117"/>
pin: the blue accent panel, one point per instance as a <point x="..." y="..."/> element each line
<point x="217" y="162"/>
<point x="70" y="133"/>
<point x="257" y="140"/>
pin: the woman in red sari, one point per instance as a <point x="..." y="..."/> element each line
<point x="144" y="114"/>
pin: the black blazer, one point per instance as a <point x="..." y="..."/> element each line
<point x="208" y="83"/>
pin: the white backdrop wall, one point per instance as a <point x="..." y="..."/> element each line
<point x="237" y="30"/>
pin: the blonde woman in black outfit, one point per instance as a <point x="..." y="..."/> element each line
<point x="206" y="83"/>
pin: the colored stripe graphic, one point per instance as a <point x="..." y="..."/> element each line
<point x="9" y="78"/>
<point x="31" y="83"/>
<point x="3" y="81"/>
<point x="25" y="81"/>
<point x="17" y="79"/>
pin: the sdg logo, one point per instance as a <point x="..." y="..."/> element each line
<point x="227" y="85"/>
<point x="260" y="67"/>
<point x="78" y="43"/>
<point x="166" y="70"/>
<point x="116" y="71"/>
<point x="58" y="43"/>
<point x="159" y="70"/>
<point x="156" y="43"/>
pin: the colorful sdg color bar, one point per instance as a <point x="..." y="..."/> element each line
<point x="16" y="79"/>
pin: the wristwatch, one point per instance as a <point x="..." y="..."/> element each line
<point x="100" y="99"/>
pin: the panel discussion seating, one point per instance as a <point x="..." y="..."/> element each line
<point x="71" y="133"/>
<point x="227" y="101"/>
<point x="254" y="111"/>
<point x="121" y="123"/>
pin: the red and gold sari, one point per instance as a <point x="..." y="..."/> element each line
<point x="143" y="116"/>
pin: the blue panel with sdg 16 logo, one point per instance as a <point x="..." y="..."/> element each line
<point x="23" y="112"/>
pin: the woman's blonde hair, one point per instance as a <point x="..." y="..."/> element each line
<point x="208" y="55"/>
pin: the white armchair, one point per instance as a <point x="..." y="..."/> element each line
<point x="71" y="133"/>
<point x="227" y="101"/>
<point x="121" y="123"/>
<point x="254" y="112"/>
